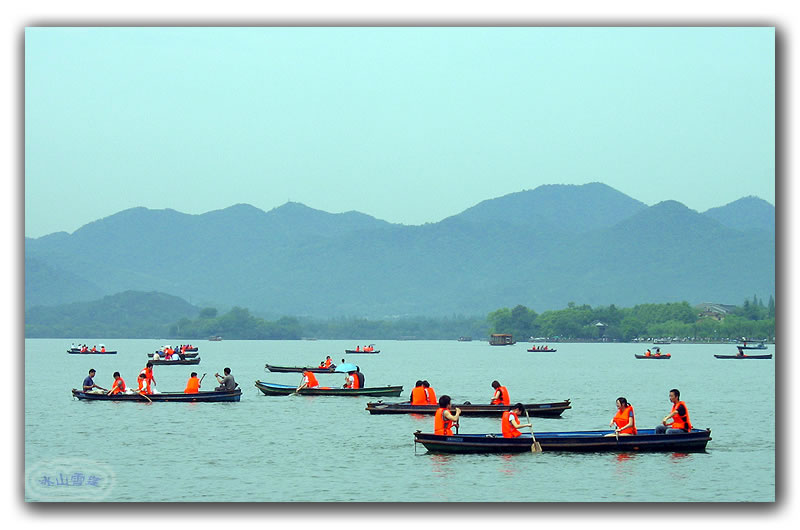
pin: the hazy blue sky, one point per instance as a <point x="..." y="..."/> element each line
<point x="410" y="125"/>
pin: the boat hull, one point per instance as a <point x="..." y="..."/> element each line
<point x="162" y="362"/>
<point x="767" y="356"/>
<point x="367" y="352"/>
<point x="578" y="441"/>
<point x="285" y="369"/>
<point x="270" y="389"/>
<point x="540" y="410"/>
<point x="174" y="397"/>
<point x="187" y="355"/>
<point x="638" y="356"/>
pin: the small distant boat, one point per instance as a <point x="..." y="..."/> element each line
<point x="187" y="355"/>
<point x="654" y="356"/>
<point x="77" y="351"/>
<point x="542" y="348"/>
<point x="164" y="362"/>
<point x="759" y="345"/>
<point x="316" y="370"/>
<point x="215" y="338"/>
<point x="270" y="389"/>
<point x="662" y="341"/>
<point x="464" y="339"/>
<point x="540" y="410"/>
<point x="177" y="397"/>
<point x="744" y="356"/>
<point x="362" y="351"/>
<point x="577" y="441"/>
<point x="501" y="339"/>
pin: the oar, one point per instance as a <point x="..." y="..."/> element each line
<point x="535" y="447"/>
<point x="144" y="396"/>
<point x="201" y="380"/>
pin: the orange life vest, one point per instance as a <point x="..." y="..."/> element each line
<point x="327" y="363"/>
<point x="103" y="349"/>
<point x="621" y="419"/>
<point x="681" y="422"/>
<point x="418" y="396"/>
<point x="504" y="398"/>
<point x="118" y="387"/>
<point x="312" y="380"/>
<point x="354" y="383"/>
<point x="431" y="396"/>
<point x="509" y="431"/>
<point x="442" y="425"/>
<point x="192" y="386"/>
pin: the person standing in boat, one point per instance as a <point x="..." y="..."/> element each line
<point x="148" y="377"/>
<point x="309" y="381"/>
<point x="501" y="396"/>
<point x="679" y="415"/>
<point x="227" y="383"/>
<point x="88" y="383"/>
<point x="623" y="421"/>
<point x="418" y="396"/>
<point x="444" y="419"/>
<point x="119" y="385"/>
<point x="510" y="424"/>
<point x="192" y="385"/>
<point x="430" y="394"/>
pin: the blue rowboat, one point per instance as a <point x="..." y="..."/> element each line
<point x="576" y="441"/>
<point x="176" y="397"/>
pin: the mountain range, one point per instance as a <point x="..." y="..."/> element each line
<point x="541" y="248"/>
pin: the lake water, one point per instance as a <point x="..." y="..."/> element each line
<point x="301" y="448"/>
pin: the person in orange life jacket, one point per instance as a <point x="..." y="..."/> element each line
<point x="192" y="385"/>
<point x="358" y="348"/>
<point x="429" y="393"/>
<point x="623" y="421"/>
<point x="351" y="381"/>
<point x="141" y="379"/>
<point x="309" y="381"/>
<point x="328" y="362"/>
<point x="679" y="416"/>
<point x="149" y="379"/>
<point x="444" y="419"/>
<point x="360" y="377"/>
<point x="647" y="353"/>
<point x="102" y="349"/>
<point x="119" y="385"/>
<point x="418" y="396"/>
<point x="510" y="422"/>
<point x="94" y="348"/>
<point x="500" y="395"/>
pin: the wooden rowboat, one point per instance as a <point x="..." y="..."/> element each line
<point x="187" y="355"/>
<point x="164" y="362"/>
<point x="317" y="370"/>
<point x="200" y="397"/>
<point x="270" y="389"/>
<point x="541" y="410"/>
<point x="577" y="441"/>
<point x="765" y="356"/>
<point x="76" y="351"/>
<point x="662" y="356"/>
<point x="360" y="351"/>
<point x="542" y="350"/>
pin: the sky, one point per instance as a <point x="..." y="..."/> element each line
<point x="409" y="125"/>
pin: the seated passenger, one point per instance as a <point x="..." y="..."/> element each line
<point x="510" y="422"/>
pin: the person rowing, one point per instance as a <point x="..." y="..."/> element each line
<point x="444" y="419"/>
<point x="309" y="381"/>
<point x="119" y="385"/>
<point x="623" y="421"/>
<point x="192" y="385"/>
<point x="227" y="383"/>
<point x="510" y="424"/>
<point x="501" y="396"/>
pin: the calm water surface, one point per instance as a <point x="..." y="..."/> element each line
<point x="299" y="448"/>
